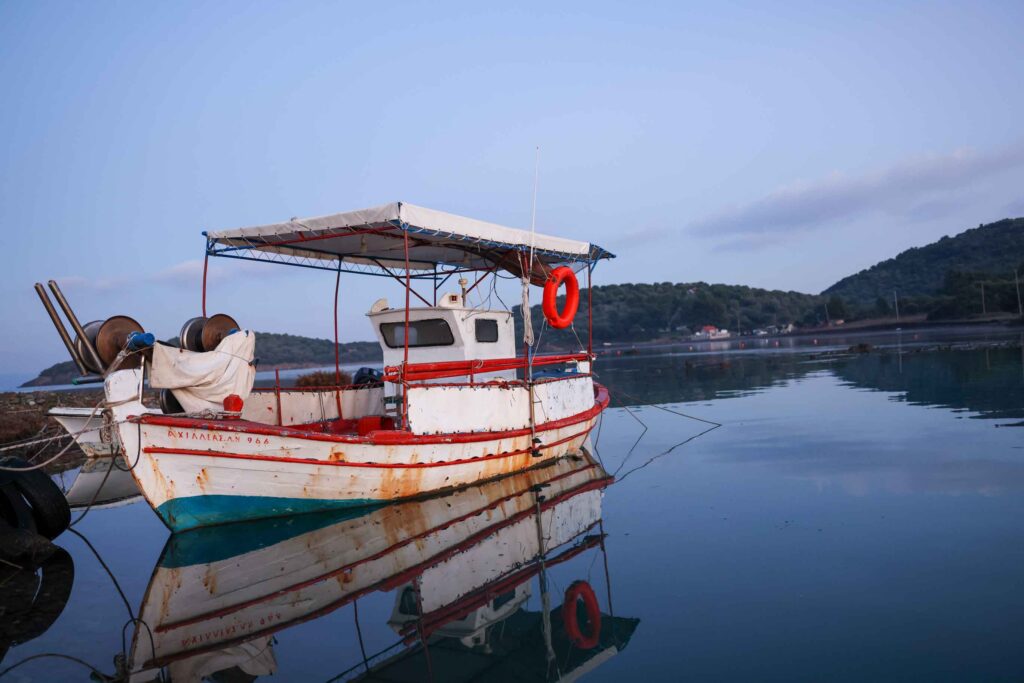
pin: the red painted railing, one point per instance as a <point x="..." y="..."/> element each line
<point x="418" y="372"/>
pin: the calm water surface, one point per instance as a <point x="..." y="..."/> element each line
<point x="855" y="517"/>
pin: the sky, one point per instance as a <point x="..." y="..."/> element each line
<point x="777" y="145"/>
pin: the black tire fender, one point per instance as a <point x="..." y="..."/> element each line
<point x="37" y="599"/>
<point x="50" y="508"/>
<point x="14" y="511"/>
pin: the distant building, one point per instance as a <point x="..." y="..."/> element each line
<point x="711" y="332"/>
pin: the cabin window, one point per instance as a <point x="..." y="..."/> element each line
<point x="430" y="332"/>
<point x="486" y="330"/>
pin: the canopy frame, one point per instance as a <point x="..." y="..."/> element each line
<point x="469" y="246"/>
<point x="485" y="248"/>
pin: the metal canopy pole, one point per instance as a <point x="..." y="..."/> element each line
<point x="337" y="350"/>
<point x="405" y="361"/>
<point x="590" y="315"/>
<point x="206" y="263"/>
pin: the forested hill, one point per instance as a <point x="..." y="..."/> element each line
<point x="994" y="249"/>
<point x="273" y="350"/>
<point x="967" y="276"/>
<point x="644" y="312"/>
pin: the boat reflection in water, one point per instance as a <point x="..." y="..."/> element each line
<point x="101" y="483"/>
<point x="460" y="565"/>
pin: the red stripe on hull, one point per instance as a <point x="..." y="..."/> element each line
<point x="338" y="463"/>
<point x="383" y="437"/>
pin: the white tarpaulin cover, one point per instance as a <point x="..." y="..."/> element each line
<point x="201" y="381"/>
<point x="375" y="236"/>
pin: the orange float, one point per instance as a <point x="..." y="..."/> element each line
<point x="581" y="590"/>
<point x="561" y="320"/>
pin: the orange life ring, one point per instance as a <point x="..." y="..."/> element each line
<point x="581" y="590"/>
<point x="572" y="297"/>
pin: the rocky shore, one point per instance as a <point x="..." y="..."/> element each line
<point x="23" y="417"/>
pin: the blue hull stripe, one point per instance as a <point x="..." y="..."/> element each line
<point x="215" y="543"/>
<point x="180" y="514"/>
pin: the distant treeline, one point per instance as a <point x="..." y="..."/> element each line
<point x="644" y="312"/>
<point x="926" y="277"/>
<point x="273" y="349"/>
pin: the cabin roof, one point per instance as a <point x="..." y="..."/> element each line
<point x="374" y="239"/>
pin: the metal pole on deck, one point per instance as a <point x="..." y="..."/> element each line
<point x="206" y="263"/>
<point x="590" y="317"/>
<point x="90" y="350"/>
<point x="337" y="351"/>
<point x="64" y="336"/>
<point x="277" y="392"/>
<point x="405" y="361"/>
<point x="528" y="334"/>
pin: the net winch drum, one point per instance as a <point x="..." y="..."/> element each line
<point x="109" y="337"/>
<point x="169" y="405"/>
<point x="204" y="334"/>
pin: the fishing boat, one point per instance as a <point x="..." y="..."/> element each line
<point x="102" y="483"/>
<point x="460" y="400"/>
<point x="96" y="438"/>
<point x="460" y="567"/>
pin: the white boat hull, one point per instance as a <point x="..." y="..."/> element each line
<point x="204" y="472"/>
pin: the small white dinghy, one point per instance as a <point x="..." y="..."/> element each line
<point x="456" y="404"/>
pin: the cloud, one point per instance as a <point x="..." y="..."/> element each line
<point x="184" y="274"/>
<point x="910" y="189"/>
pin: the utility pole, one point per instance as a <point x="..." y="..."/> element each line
<point x="828" y="321"/>
<point x="1016" y="281"/>
<point x="983" y="311"/>
<point x="896" y="300"/>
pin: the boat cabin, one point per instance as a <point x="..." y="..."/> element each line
<point x="449" y="331"/>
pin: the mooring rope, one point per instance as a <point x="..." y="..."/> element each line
<point x="42" y="655"/>
<point x="713" y="425"/>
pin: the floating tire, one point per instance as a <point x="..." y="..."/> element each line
<point x="31" y="601"/>
<point x="14" y="511"/>
<point x="50" y="510"/>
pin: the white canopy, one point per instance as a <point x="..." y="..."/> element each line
<point x="375" y="237"/>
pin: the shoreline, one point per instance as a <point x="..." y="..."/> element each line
<point x="841" y="330"/>
<point x="23" y="413"/>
